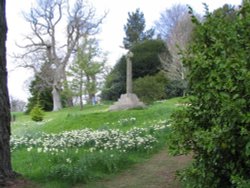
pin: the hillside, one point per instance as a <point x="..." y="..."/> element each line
<point x="94" y="117"/>
<point x="75" y="146"/>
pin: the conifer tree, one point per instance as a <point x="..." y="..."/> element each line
<point x="135" y="29"/>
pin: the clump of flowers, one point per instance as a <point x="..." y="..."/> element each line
<point x="127" y="121"/>
<point x="92" y="140"/>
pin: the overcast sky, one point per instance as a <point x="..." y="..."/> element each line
<point x="111" y="36"/>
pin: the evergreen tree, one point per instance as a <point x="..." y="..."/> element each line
<point x="134" y="29"/>
<point x="115" y="83"/>
<point x="37" y="113"/>
<point x="146" y="62"/>
<point x="39" y="89"/>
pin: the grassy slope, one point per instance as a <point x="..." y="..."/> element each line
<point x="72" y="118"/>
<point x="93" y="117"/>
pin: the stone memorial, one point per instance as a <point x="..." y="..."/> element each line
<point x="128" y="100"/>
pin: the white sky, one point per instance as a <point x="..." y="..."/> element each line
<point x="112" y="29"/>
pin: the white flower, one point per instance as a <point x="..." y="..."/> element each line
<point x="39" y="150"/>
<point x="135" y="138"/>
<point x="68" y="160"/>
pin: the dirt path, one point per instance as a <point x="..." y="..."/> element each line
<point x="156" y="172"/>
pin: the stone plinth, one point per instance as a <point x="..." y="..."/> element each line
<point x="127" y="101"/>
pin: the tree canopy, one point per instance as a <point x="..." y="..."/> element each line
<point x="87" y="70"/>
<point x="146" y="61"/>
<point x="135" y="29"/>
<point x="40" y="93"/>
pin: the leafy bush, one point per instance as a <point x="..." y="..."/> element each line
<point x="146" y="59"/>
<point x="115" y="83"/>
<point x="151" y="88"/>
<point x="215" y="127"/>
<point x="176" y="88"/>
<point x="37" y="113"/>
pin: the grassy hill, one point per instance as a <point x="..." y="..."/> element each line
<point x="77" y="146"/>
<point x="93" y="117"/>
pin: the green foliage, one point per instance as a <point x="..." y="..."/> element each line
<point x="146" y="59"/>
<point x="134" y="29"/>
<point x="145" y="62"/>
<point x="37" y="113"/>
<point x="115" y="83"/>
<point x="151" y="88"/>
<point x="85" y="72"/>
<point x="39" y="89"/>
<point x="215" y="127"/>
<point x="176" y="88"/>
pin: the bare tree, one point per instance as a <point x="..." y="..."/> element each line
<point x="6" y="171"/>
<point x="16" y="105"/>
<point x="175" y="27"/>
<point x="56" y="30"/>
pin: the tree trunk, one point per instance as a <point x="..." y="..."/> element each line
<point x="81" y="90"/>
<point x="93" y="89"/>
<point x="57" y="103"/>
<point x="57" y="84"/>
<point x="69" y="98"/>
<point x="6" y="171"/>
<point x="93" y="99"/>
<point x="88" y="89"/>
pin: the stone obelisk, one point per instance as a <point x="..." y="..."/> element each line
<point x="128" y="100"/>
<point x="129" y="73"/>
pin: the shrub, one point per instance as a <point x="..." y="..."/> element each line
<point x="176" y="88"/>
<point x="115" y="83"/>
<point x="38" y="89"/>
<point x="37" y="114"/>
<point x="151" y="88"/>
<point x="215" y="127"/>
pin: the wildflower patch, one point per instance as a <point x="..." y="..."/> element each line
<point x="92" y="140"/>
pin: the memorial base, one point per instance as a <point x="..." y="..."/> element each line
<point x="127" y="101"/>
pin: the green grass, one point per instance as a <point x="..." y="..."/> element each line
<point x="93" y="117"/>
<point x="53" y="170"/>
